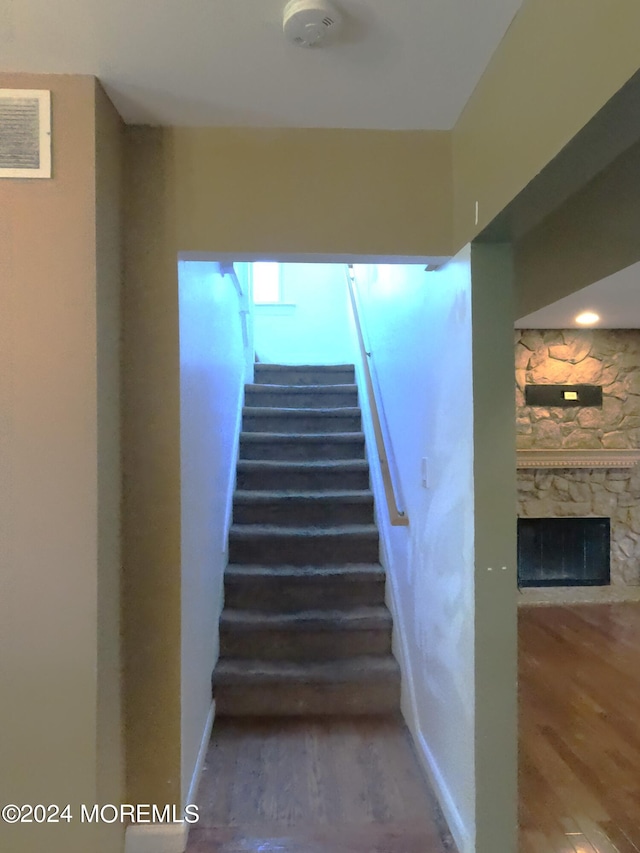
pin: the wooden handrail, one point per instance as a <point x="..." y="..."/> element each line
<point x="397" y="516"/>
<point x="243" y="299"/>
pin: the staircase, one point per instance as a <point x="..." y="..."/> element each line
<point x="304" y="630"/>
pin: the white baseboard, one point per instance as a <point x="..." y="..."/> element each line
<point x="202" y="754"/>
<point x="156" y="838"/>
<point x="461" y="834"/>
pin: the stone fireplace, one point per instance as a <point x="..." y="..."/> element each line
<point x="582" y="462"/>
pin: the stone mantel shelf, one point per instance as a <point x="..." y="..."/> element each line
<point x="577" y="458"/>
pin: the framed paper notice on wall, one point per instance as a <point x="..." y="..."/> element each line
<point x="25" y="133"/>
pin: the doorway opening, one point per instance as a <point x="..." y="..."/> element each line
<point x="299" y="567"/>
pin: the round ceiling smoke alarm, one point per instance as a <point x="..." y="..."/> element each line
<point x="308" y="22"/>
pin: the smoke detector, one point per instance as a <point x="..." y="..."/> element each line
<point x="307" y="22"/>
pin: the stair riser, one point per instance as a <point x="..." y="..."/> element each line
<point x="296" y="423"/>
<point x="302" y="451"/>
<point x="303" y="551"/>
<point x="266" y="375"/>
<point x="297" y="400"/>
<point x="299" y="513"/>
<point x="302" y="480"/>
<point x="302" y="646"/>
<point x="304" y="700"/>
<point x="288" y="595"/>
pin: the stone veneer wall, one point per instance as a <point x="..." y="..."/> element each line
<point x="610" y="358"/>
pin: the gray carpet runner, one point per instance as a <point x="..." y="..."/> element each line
<point x="304" y="630"/>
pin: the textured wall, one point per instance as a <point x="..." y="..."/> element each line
<point x="601" y="357"/>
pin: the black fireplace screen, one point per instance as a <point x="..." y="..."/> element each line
<point x="563" y="551"/>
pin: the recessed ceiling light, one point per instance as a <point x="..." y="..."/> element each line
<point x="587" y="318"/>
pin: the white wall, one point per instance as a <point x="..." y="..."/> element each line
<point x="419" y="329"/>
<point x="212" y="369"/>
<point x="314" y="327"/>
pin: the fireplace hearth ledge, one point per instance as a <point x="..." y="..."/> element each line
<point x="577" y="458"/>
<point x="559" y="595"/>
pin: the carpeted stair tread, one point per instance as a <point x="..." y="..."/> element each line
<point x="302" y="474"/>
<point x="289" y="589"/>
<point x="278" y="419"/>
<point x="265" y="388"/>
<point x="302" y="446"/>
<point x="306" y="437"/>
<point x="354" y="618"/>
<point x="268" y="367"/>
<point x="301" y="396"/>
<point x="354" y="572"/>
<point x="288" y="411"/>
<point x="314" y="393"/>
<point x="322" y="634"/>
<point x="319" y="508"/>
<point x="277" y="544"/>
<point x="357" y="669"/>
<point x="303" y="464"/>
<point x="267" y="495"/>
<point x="303" y="374"/>
<point x="250" y="531"/>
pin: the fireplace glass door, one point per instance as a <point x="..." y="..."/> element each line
<point x="563" y="551"/>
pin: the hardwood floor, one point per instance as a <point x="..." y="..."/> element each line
<point x="315" y="786"/>
<point x="579" y="770"/>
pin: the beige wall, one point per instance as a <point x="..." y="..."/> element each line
<point x="560" y="61"/>
<point x="151" y="468"/>
<point x="59" y="545"/>
<point x="306" y="191"/>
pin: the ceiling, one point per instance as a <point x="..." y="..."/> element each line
<point x="616" y="299"/>
<point x="396" y="65"/>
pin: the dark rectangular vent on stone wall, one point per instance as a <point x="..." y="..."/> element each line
<point x="563" y="551"/>
<point x="563" y="395"/>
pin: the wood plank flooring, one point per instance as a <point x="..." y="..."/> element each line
<point x="315" y="786"/>
<point x="579" y="766"/>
